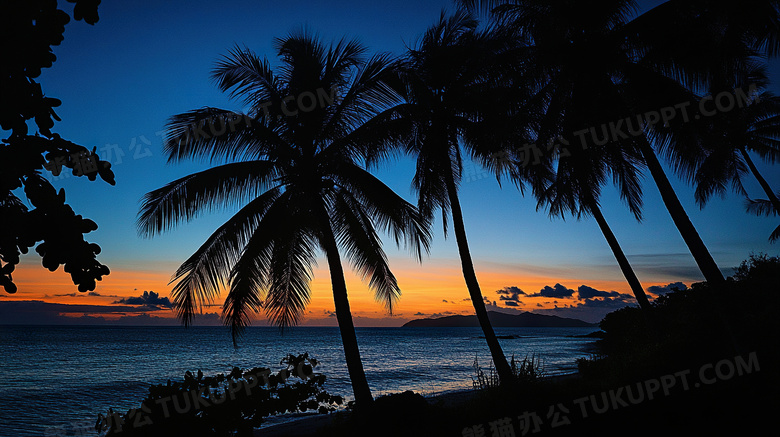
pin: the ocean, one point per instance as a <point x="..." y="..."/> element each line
<point x="54" y="380"/>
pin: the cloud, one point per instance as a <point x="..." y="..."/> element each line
<point x="513" y="291"/>
<point x="586" y="292"/>
<point x="557" y="291"/>
<point x="591" y="310"/>
<point x="149" y="298"/>
<point x="419" y="314"/>
<point x="96" y="294"/>
<point x="510" y="295"/>
<point x="663" y="289"/>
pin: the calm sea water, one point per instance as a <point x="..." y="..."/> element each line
<point x="55" y="378"/>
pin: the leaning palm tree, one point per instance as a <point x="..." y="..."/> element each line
<point x="293" y="164"/>
<point x="442" y="81"/>
<point x="591" y="63"/>
<point x="576" y="187"/>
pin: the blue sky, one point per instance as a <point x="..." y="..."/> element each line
<point x="144" y="61"/>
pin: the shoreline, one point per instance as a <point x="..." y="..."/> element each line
<point x="307" y="424"/>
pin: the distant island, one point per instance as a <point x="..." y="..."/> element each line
<point x="501" y="320"/>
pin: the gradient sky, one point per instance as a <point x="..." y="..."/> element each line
<point x="144" y="61"/>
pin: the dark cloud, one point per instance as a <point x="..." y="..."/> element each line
<point x="557" y="291"/>
<point x="591" y="310"/>
<point x="662" y="289"/>
<point x="510" y="295"/>
<point x="510" y="291"/>
<point x="586" y="292"/>
<point x="149" y="298"/>
<point x="445" y="301"/>
<point x="419" y="314"/>
<point x="96" y="294"/>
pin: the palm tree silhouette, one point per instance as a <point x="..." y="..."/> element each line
<point x="590" y="62"/>
<point x="442" y="81"/>
<point x="576" y="188"/>
<point x="715" y="152"/>
<point x="293" y="162"/>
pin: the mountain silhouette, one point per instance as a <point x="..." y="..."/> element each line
<point x="501" y="320"/>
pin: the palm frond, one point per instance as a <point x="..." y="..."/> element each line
<point x="355" y="233"/>
<point x="761" y="207"/>
<point x="214" y="134"/>
<point x="186" y="198"/>
<point x="251" y="276"/>
<point x="205" y="272"/>
<point x="291" y="261"/>
<point x="245" y="75"/>
<point x="387" y="209"/>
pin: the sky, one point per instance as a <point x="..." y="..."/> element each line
<point x="144" y="61"/>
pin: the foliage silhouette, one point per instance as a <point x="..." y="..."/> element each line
<point x="701" y="322"/>
<point x="27" y="31"/>
<point x="224" y="405"/>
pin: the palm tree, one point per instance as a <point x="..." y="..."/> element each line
<point x="590" y="63"/>
<point x="576" y="188"/>
<point x="714" y="152"/>
<point x="443" y="83"/>
<point x="294" y="165"/>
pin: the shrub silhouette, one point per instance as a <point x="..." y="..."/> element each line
<point x="224" y="405"/>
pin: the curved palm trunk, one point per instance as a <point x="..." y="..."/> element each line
<point x="764" y="184"/>
<point x="704" y="260"/>
<point x="344" y="317"/>
<point x="625" y="267"/>
<point x="499" y="359"/>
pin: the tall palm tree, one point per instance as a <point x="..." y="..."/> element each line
<point x="592" y="53"/>
<point x="576" y="188"/>
<point x="443" y="83"/>
<point x="294" y="165"/>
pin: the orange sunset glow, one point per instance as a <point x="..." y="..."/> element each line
<point x="434" y="288"/>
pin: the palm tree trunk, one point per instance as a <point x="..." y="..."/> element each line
<point x="651" y="321"/>
<point x="499" y="359"/>
<point x="767" y="189"/>
<point x="625" y="267"/>
<point x="344" y="317"/>
<point x="704" y="260"/>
